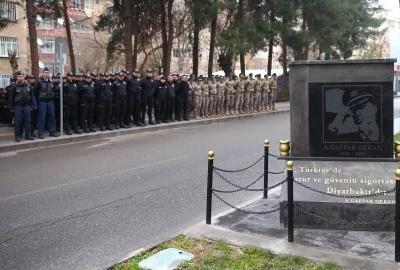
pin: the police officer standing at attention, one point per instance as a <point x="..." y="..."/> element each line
<point x="148" y="86"/>
<point x="21" y="103"/>
<point x="70" y="100"/>
<point x="182" y="95"/>
<point x="46" y="105"/>
<point x="160" y="96"/>
<point x="87" y="103"/>
<point x="120" y="94"/>
<point x="56" y="90"/>
<point x="170" y="98"/>
<point x="133" y="103"/>
<point x="34" y="113"/>
<point x="105" y="102"/>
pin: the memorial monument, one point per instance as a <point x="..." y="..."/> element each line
<point x="341" y="119"/>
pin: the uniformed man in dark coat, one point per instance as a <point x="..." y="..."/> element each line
<point x="46" y="105"/>
<point x="148" y="86"/>
<point x="170" y="98"/>
<point x="56" y="90"/>
<point x="134" y="101"/>
<point x="21" y="103"/>
<point x="70" y="102"/>
<point x="182" y="94"/>
<point x="87" y="103"/>
<point x="160" y="96"/>
<point x="120" y="98"/>
<point x="104" y="102"/>
<point x="34" y="113"/>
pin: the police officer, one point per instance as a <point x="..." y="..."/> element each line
<point x="56" y="90"/>
<point x="87" y="103"/>
<point x="34" y="113"/>
<point x="104" y="94"/>
<point x="46" y="105"/>
<point x="120" y="99"/>
<point x="170" y="98"/>
<point x="133" y="104"/>
<point x="21" y="103"/>
<point x="70" y="102"/>
<point x="182" y="94"/>
<point x="160" y="97"/>
<point x="148" y="85"/>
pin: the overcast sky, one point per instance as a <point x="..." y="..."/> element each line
<point x="390" y="4"/>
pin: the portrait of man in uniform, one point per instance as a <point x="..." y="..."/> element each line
<point x="352" y="114"/>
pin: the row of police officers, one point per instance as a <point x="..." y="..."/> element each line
<point x="122" y="99"/>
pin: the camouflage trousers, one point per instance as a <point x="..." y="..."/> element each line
<point x="239" y="102"/>
<point x="264" y="100"/>
<point x="229" y="102"/>
<point x="204" y="106"/>
<point x="272" y="99"/>
<point x="220" y="103"/>
<point x="257" y="100"/>
<point x="213" y="104"/>
<point x="197" y="106"/>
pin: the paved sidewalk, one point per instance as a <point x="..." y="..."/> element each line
<point x="349" y="249"/>
<point x="7" y="142"/>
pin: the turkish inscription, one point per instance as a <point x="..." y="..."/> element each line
<point x="342" y="178"/>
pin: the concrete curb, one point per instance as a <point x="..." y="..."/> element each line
<point x="65" y="139"/>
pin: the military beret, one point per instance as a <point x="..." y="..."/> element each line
<point x="251" y="74"/>
<point x="356" y="97"/>
<point x="273" y="74"/>
<point x="31" y="76"/>
<point x="19" y="72"/>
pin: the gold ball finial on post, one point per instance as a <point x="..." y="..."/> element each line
<point x="284" y="148"/>
<point x="396" y="149"/>
<point x="289" y="165"/>
<point x="397" y="174"/>
<point x="266" y="143"/>
<point x="211" y="154"/>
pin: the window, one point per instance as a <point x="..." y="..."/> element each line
<point x="8" y="43"/>
<point x="8" y="10"/>
<point x="47" y="23"/>
<point x="182" y="53"/>
<point x="82" y="4"/>
<point x="48" y="44"/>
<point x="4" y="80"/>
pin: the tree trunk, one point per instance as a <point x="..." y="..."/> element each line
<point x="242" y="64"/>
<point x="69" y="37"/>
<point x="225" y="62"/>
<point x="167" y="69"/>
<point x="284" y="58"/>
<point x="212" y="46"/>
<point x="135" y="50"/>
<point x="128" y="31"/>
<point x="270" y="51"/>
<point x="196" y="34"/>
<point x="31" y="16"/>
<point x="164" y="36"/>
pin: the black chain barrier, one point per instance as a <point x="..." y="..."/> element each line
<point x="246" y="211"/>
<point x="337" y="221"/>
<point x="240" y="170"/>
<point x="246" y="187"/>
<point x="345" y="196"/>
<point x="272" y="155"/>
<point x="277" y="172"/>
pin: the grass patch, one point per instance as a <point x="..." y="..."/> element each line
<point x="221" y="256"/>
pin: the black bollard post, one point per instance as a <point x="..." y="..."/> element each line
<point x="397" y="218"/>
<point x="266" y="156"/>
<point x="209" y="186"/>
<point x="289" y="166"/>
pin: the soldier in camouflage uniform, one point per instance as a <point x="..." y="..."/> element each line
<point x="205" y="98"/>
<point x="257" y="93"/>
<point x="229" y="96"/>
<point x="250" y="88"/>
<point x="273" y="92"/>
<point x="246" y="97"/>
<point x="220" y="96"/>
<point x="197" y="98"/>
<point x="239" y="104"/>
<point x="264" y="93"/>
<point x="236" y="84"/>
<point x="212" y="87"/>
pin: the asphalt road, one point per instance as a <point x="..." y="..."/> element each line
<point x="87" y="205"/>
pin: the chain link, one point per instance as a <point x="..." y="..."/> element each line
<point x="336" y="221"/>
<point x="276" y="172"/>
<point x="237" y="186"/>
<point x="246" y="211"/>
<point x="240" y="170"/>
<point x="250" y="189"/>
<point x="345" y="196"/>
<point x="272" y="155"/>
